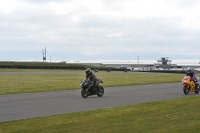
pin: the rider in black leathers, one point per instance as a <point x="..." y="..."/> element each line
<point x="191" y="74"/>
<point x="91" y="76"/>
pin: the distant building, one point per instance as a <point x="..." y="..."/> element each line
<point x="164" y="63"/>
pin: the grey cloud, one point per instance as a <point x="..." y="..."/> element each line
<point x="22" y="29"/>
<point x="134" y="31"/>
<point x="43" y="1"/>
<point x="186" y="3"/>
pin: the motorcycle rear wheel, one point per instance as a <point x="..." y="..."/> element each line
<point x="197" y="89"/>
<point x="84" y="93"/>
<point x="100" y="91"/>
<point x="186" y="90"/>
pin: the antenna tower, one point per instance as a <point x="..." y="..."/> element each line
<point x="44" y="54"/>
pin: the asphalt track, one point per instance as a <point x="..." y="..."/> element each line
<point x="31" y="105"/>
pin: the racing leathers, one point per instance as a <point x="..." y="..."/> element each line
<point x="92" y="78"/>
<point x="192" y="75"/>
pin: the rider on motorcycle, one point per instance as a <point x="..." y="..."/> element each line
<point x="191" y="74"/>
<point x="91" y="76"/>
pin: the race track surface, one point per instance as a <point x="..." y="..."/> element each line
<point x="30" y="105"/>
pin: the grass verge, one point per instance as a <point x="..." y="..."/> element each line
<point x="14" y="84"/>
<point x="38" y="70"/>
<point x="174" y="116"/>
<point x="24" y="83"/>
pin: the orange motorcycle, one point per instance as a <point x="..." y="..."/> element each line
<point x="189" y="85"/>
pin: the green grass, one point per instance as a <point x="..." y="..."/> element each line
<point x="37" y="83"/>
<point x="174" y="116"/>
<point x="23" y="83"/>
<point x="38" y="70"/>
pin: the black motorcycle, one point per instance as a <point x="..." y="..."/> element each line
<point x="96" y="70"/>
<point x="108" y="70"/>
<point x="88" y="90"/>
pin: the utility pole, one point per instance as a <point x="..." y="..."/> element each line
<point x="138" y="59"/>
<point x="44" y="54"/>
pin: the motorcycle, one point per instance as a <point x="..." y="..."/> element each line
<point x="96" y="70"/>
<point x="88" y="90"/>
<point x="108" y="70"/>
<point x="190" y="86"/>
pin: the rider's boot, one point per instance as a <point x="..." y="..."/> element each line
<point x="95" y="88"/>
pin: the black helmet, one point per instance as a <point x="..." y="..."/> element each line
<point x="189" y="69"/>
<point x="88" y="70"/>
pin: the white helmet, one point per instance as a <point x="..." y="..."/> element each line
<point x="88" y="70"/>
<point x="189" y="69"/>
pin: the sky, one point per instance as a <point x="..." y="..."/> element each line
<point x="99" y="29"/>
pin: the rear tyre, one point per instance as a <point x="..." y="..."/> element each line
<point x="100" y="91"/>
<point x="186" y="90"/>
<point x="197" y="89"/>
<point x="84" y="93"/>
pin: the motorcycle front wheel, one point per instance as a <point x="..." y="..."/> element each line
<point x="186" y="90"/>
<point x="100" y="91"/>
<point x="84" y="93"/>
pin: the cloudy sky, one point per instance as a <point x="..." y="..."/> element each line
<point x="100" y="29"/>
